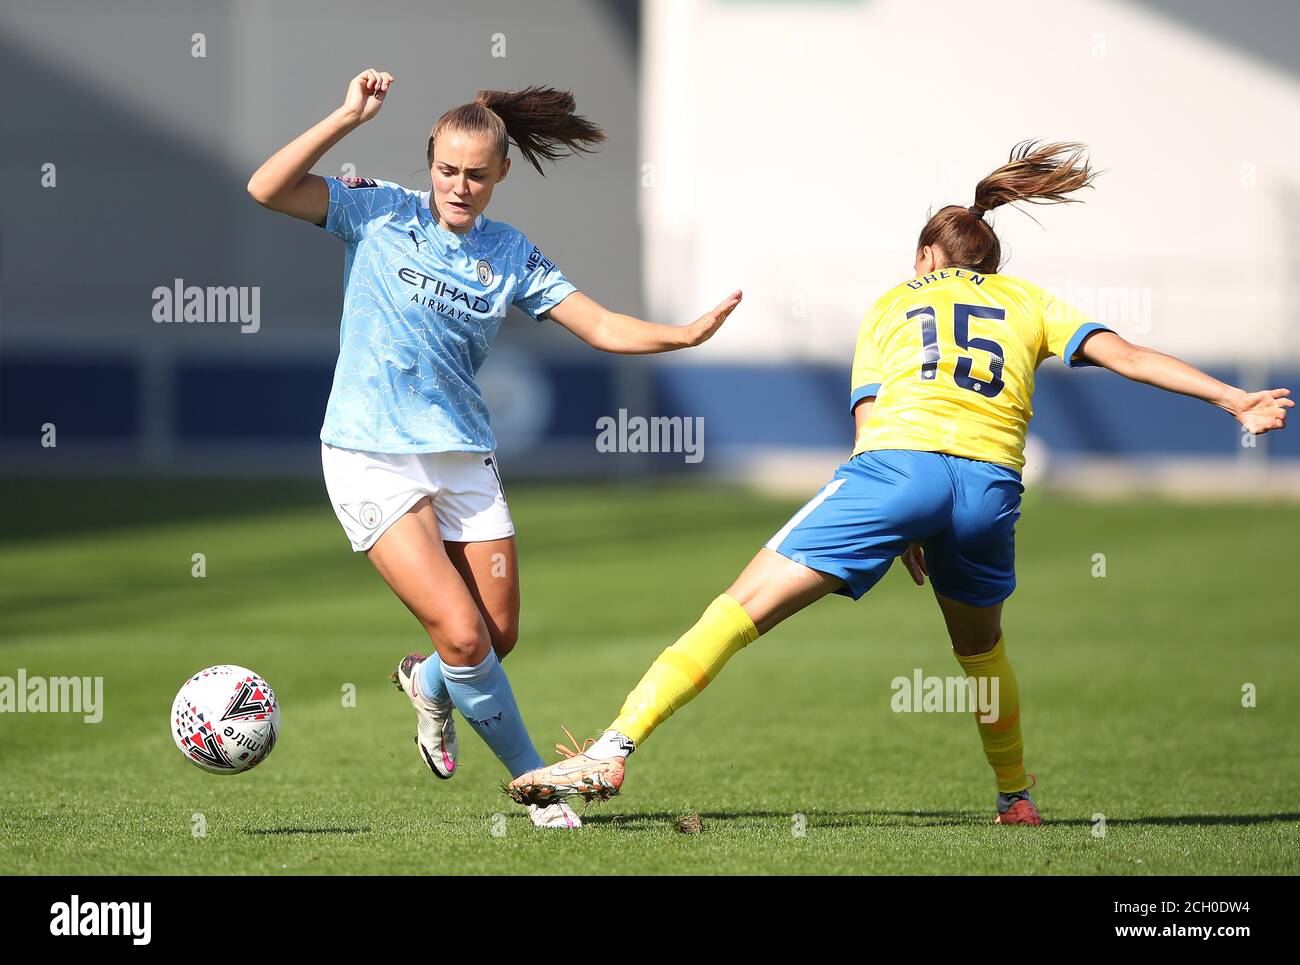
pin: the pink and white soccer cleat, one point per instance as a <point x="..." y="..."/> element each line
<point x="435" y="733"/>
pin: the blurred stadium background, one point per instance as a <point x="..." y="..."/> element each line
<point x="789" y="149"/>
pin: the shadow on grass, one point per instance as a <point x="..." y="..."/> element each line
<point x="57" y="507"/>
<point x="60" y="506"/>
<point x="815" y="819"/>
<point x="1166" y="820"/>
<point x="306" y="830"/>
<point x="924" y="819"/>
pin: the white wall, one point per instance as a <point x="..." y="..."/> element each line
<point x="793" y="150"/>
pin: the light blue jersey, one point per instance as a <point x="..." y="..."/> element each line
<point x="421" y="306"/>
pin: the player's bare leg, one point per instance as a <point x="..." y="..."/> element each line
<point x="490" y="571"/>
<point x="773" y="588"/>
<point x="770" y="589"/>
<point x="412" y="559"/>
<point x="466" y="596"/>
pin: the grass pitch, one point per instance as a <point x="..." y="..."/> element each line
<point x="792" y="760"/>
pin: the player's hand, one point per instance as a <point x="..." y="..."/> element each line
<point x="702" y="329"/>
<point x="366" y="93"/>
<point x="1261" y="412"/>
<point x="914" y="559"/>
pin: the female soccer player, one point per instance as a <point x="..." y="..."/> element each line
<point x="942" y="380"/>
<point x="408" y="455"/>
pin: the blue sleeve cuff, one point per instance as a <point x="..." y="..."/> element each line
<point x="866" y="392"/>
<point x="1076" y="340"/>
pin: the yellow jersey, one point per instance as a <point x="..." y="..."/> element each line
<point x="950" y="358"/>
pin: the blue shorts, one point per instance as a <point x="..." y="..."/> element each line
<point x="962" y="511"/>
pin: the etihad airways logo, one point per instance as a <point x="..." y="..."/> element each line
<point x="437" y="288"/>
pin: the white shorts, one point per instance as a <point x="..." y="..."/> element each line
<point x="371" y="490"/>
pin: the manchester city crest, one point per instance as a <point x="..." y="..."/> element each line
<point x="484" y="270"/>
<point x="370" y="515"/>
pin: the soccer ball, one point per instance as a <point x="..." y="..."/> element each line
<point x="225" y="719"/>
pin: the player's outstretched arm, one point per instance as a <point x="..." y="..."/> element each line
<point x="284" y="183"/>
<point x="1258" y="412"/>
<point x="625" y="335"/>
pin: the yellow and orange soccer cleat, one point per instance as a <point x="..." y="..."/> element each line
<point x="576" y="775"/>
<point x="1018" y="807"/>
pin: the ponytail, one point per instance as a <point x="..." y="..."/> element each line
<point x="539" y="120"/>
<point x="1035" y="173"/>
<point x="1038" y="174"/>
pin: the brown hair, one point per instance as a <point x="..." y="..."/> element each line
<point x="1036" y="173"/>
<point x="539" y="120"/>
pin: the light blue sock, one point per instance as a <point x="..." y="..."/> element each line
<point x="431" y="683"/>
<point x="429" y="679"/>
<point x="483" y="696"/>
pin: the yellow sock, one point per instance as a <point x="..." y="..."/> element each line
<point x="685" y="668"/>
<point x="1003" y="745"/>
